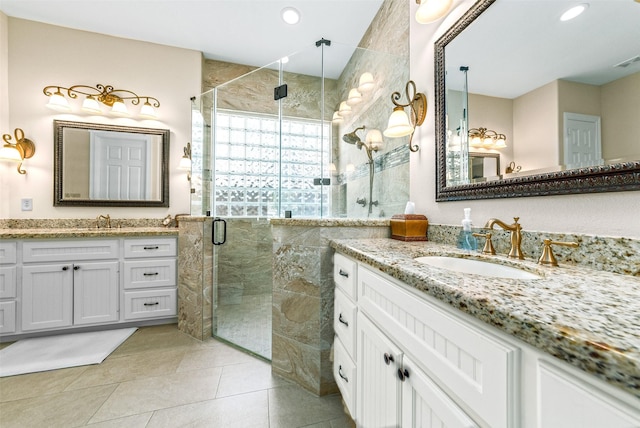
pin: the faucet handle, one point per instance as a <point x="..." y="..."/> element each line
<point x="488" y="245"/>
<point x="547" y="257"/>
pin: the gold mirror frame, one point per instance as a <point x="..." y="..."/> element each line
<point x="58" y="166"/>
<point x="608" y="178"/>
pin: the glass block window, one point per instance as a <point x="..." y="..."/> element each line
<point x="253" y="169"/>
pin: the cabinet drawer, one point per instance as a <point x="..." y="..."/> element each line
<point x="149" y="273"/>
<point x="7" y="282"/>
<point x="7" y="252"/>
<point x="474" y="365"/>
<point x="60" y="251"/>
<point x="150" y="303"/>
<point x="150" y="247"/>
<point x="344" y="372"/>
<point x="344" y="322"/>
<point x="345" y="275"/>
<point x="7" y="317"/>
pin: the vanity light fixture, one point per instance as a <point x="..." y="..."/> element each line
<point x="185" y="161"/>
<point x="365" y="84"/>
<point x="22" y="149"/>
<point x="487" y="138"/>
<point x="104" y="94"/>
<point x="354" y="97"/>
<point x="336" y="118"/>
<point x="344" y="109"/>
<point x="400" y="124"/>
<point x="431" y="10"/>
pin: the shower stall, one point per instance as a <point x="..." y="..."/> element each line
<point x="267" y="142"/>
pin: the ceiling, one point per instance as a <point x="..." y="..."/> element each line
<point x="247" y="32"/>
<point x="523" y="45"/>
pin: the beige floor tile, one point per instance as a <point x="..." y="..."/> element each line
<point x="139" y="365"/>
<point x="248" y="377"/>
<point x="292" y="407"/>
<point x="163" y="338"/>
<point x="37" y="384"/>
<point x="135" y="421"/>
<point x="140" y="396"/>
<point x="216" y="354"/>
<point x="65" y="409"/>
<point x="242" y="411"/>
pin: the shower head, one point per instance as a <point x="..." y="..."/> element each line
<point x="353" y="138"/>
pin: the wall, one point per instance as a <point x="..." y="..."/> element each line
<point x="621" y="107"/>
<point x="40" y="55"/>
<point x="609" y="214"/>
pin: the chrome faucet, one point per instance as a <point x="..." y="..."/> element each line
<point x="516" y="235"/>
<point x="107" y="221"/>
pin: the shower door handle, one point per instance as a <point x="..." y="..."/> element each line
<point x="214" y="239"/>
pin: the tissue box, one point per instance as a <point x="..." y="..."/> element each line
<point x="409" y="227"/>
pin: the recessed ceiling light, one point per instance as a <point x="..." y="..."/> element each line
<point x="290" y="15"/>
<point x="573" y="12"/>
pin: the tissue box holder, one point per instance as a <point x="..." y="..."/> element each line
<point x="409" y="227"/>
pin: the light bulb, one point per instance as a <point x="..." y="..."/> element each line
<point x="58" y="102"/>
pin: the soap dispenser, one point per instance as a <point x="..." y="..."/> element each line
<point x="466" y="240"/>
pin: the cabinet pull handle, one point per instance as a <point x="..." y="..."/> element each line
<point x="403" y="374"/>
<point x="343" y="273"/>
<point x="150" y="274"/>
<point x="65" y="267"/>
<point x="76" y="267"/>
<point x="152" y="304"/>
<point x="342" y="320"/>
<point x="341" y="375"/>
<point x="388" y="358"/>
<point x="151" y="248"/>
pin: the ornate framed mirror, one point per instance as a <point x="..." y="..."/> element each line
<point x="508" y="68"/>
<point x="110" y="166"/>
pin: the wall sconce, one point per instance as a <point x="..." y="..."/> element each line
<point x="106" y="95"/>
<point x="431" y="10"/>
<point x="185" y="161"/>
<point x="365" y="84"/>
<point x="354" y="97"/>
<point x="486" y="138"/>
<point x="399" y="123"/>
<point x="18" y="152"/>
<point x="336" y="118"/>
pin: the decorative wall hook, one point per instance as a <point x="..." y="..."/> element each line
<point x="22" y="149"/>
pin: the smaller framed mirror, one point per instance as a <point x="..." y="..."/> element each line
<point x="109" y="165"/>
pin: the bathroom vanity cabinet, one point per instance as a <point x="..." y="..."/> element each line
<point x="416" y="361"/>
<point x="54" y="284"/>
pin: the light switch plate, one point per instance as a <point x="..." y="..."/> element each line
<point x="27" y="204"/>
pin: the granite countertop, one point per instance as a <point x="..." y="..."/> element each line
<point x="588" y="318"/>
<point x="86" y="232"/>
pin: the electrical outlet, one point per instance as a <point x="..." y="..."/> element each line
<point x="27" y="204"/>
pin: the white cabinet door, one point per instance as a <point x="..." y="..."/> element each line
<point x="95" y="292"/>
<point x="567" y="402"/>
<point x="47" y="296"/>
<point x="425" y="405"/>
<point x="378" y="391"/>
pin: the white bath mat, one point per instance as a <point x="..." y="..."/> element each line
<point x="56" y="352"/>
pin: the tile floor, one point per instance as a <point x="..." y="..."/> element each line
<point x="161" y="377"/>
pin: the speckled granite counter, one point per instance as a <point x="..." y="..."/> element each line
<point x="586" y="317"/>
<point x="86" y="232"/>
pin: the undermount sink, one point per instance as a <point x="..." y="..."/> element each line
<point x="476" y="267"/>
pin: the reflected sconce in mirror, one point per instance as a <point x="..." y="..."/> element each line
<point x="185" y="161"/>
<point x="101" y="94"/>
<point x="486" y="138"/>
<point x="432" y="10"/>
<point x="400" y="124"/>
<point x="22" y="149"/>
<point x="365" y="84"/>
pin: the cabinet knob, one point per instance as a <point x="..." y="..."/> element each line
<point x="343" y="273"/>
<point x="76" y="267"/>
<point x="342" y="320"/>
<point x="388" y="358"/>
<point x="341" y="375"/>
<point x="403" y="374"/>
<point x="65" y="267"/>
